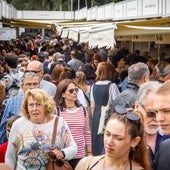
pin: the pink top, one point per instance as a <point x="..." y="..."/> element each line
<point x="78" y="123"/>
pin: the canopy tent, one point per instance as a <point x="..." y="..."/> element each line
<point x="143" y="27"/>
<point x="102" y="36"/>
<point x="96" y="35"/>
<point x="27" y="24"/>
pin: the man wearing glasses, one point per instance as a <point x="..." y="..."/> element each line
<point x="162" y="106"/>
<point x="37" y="67"/>
<point x="144" y="104"/>
<point x="29" y="81"/>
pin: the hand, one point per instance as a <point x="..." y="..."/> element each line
<point x="58" y="154"/>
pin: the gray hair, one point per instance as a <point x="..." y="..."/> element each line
<point x="56" y="56"/>
<point x="137" y="71"/>
<point x="30" y="75"/>
<point x="163" y="68"/>
<point x="145" y="89"/>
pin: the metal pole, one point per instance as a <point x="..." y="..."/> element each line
<point x="71" y="5"/>
<point x="78" y="4"/>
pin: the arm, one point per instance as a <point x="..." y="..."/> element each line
<point x="69" y="145"/>
<point x="87" y="134"/>
<point x="114" y="91"/>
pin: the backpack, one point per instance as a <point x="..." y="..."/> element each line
<point x="12" y="82"/>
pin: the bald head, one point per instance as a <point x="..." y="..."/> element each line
<point x="37" y="67"/>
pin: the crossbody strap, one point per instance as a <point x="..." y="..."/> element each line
<point x="54" y="133"/>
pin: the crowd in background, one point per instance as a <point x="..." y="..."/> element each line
<point x="81" y="80"/>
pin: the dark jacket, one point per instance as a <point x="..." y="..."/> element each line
<point x="126" y="98"/>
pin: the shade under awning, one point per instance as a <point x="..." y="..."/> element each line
<point x="25" y="23"/>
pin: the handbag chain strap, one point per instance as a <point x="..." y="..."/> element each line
<point x="54" y="133"/>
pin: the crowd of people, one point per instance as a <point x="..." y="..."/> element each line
<point x="41" y="80"/>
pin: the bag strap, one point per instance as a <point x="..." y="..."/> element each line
<point x="54" y="133"/>
<point x="58" y="111"/>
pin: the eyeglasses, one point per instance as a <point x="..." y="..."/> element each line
<point x="149" y="113"/>
<point x="27" y="71"/>
<point x="31" y="84"/>
<point x="37" y="105"/>
<point x="130" y="116"/>
<point x="72" y="90"/>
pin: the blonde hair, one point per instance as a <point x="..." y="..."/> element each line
<point x="41" y="96"/>
<point x="81" y="80"/>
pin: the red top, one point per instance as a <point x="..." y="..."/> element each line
<point x="3" y="148"/>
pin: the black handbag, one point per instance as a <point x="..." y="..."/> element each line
<point x="53" y="162"/>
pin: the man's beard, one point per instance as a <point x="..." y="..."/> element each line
<point x="151" y="131"/>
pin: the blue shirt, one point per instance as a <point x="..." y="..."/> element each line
<point x="48" y="87"/>
<point x="12" y="108"/>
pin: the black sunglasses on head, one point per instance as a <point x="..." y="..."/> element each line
<point x="130" y="116"/>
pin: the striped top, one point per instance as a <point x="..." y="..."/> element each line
<point x="78" y="122"/>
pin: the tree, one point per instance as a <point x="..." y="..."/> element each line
<point x="54" y="5"/>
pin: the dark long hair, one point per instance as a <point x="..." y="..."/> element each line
<point x="61" y="88"/>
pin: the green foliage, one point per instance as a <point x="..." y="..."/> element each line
<point x="54" y="5"/>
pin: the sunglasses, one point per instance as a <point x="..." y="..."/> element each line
<point x="149" y="113"/>
<point x="129" y="115"/>
<point x="72" y="90"/>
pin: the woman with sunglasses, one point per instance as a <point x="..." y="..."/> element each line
<point x="124" y="144"/>
<point x="76" y="117"/>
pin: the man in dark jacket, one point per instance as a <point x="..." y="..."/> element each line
<point x="137" y="75"/>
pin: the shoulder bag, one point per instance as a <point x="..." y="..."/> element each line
<point x="53" y="162"/>
<point x="104" y="113"/>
